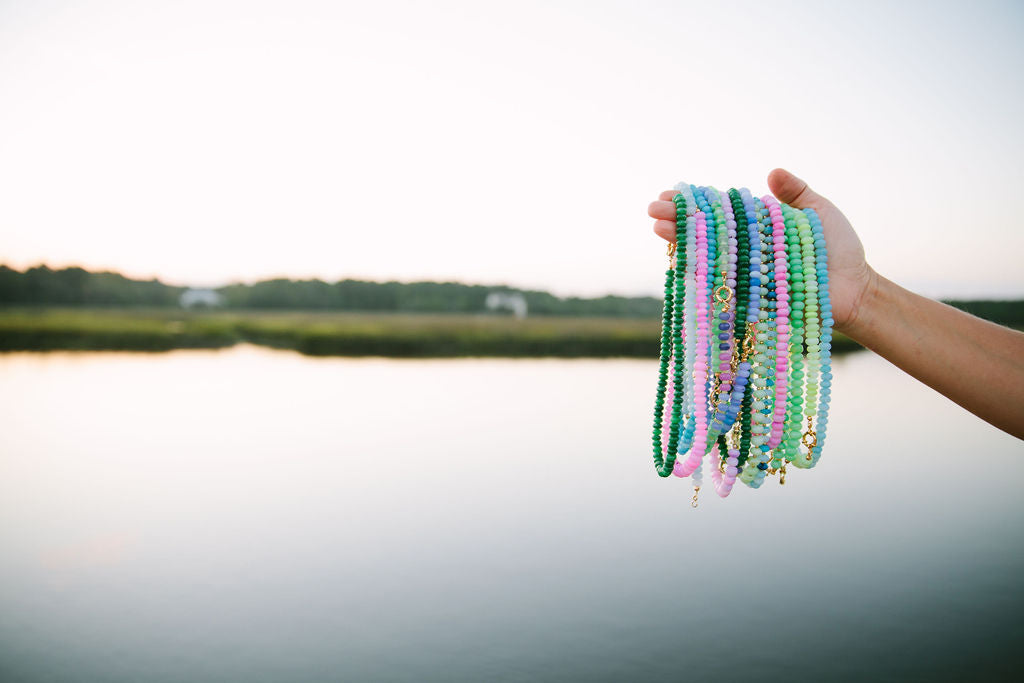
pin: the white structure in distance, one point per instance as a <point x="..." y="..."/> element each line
<point x="507" y="301"/>
<point x="200" y="298"/>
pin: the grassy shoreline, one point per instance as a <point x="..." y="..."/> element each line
<point x="334" y="334"/>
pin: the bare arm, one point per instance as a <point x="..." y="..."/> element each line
<point x="976" y="363"/>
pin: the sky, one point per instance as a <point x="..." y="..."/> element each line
<point x="235" y="140"/>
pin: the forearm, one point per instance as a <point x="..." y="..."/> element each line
<point x="976" y="363"/>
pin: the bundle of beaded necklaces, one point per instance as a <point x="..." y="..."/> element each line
<point x="746" y="340"/>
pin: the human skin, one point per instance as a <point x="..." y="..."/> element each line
<point x="974" y="362"/>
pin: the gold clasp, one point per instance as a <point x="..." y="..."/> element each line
<point x="723" y="298"/>
<point x="696" y="490"/>
<point x="733" y="436"/>
<point x="749" y="346"/>
<point x="810" y="437"/>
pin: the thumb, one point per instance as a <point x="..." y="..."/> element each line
<point x="789" y="189"/>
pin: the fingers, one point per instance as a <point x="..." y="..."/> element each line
<point x="664" y="213"/>
<point x="664" y="210"/>
<point x="791" y="190"/>
<point x="666" y="230"/>
<point x="784" y="185"/>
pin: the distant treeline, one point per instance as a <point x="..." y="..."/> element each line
<point x="43" y="286"/>
<point x="74" y="287"/>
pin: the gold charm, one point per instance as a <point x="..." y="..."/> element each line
<point x="733" y="436"/>
<point x="810" y="438"/>
<point x="723" y="295"/>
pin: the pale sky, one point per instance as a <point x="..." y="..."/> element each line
<point x="520" y="143"/>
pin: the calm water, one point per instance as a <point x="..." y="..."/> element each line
<point x="252" y="515"/>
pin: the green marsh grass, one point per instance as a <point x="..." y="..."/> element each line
<point x="334" y="334"/>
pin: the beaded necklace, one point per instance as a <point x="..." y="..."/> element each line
<point x="753" y="316"/>
<point x="700" y="366"/>
<point x="764" y="356"/>
<point x="746" y="340"/>
<point x="796" y="227"/>
<point x="666" y="426"/>
<point x="781" y="319"/>
<point x="813" y="439"/>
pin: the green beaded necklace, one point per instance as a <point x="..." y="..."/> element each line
<point x="671" y="347"/>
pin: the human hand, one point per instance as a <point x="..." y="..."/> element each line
<point x="851" y="279"/>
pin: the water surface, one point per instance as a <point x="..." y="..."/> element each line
<point x="254" y="515"/>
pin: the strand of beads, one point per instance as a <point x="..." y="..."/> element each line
<point x="689" y="315"/>
<point x="781" y="319"/>
<point x="812" y="328"/>
<point x="700" y="365"/>
<point x="764" y="357"/>
<point x="666" y="425"/>
<point x="704" y="259"/>
<point x="816" y="439"/>
<point x="718" y="253"/>
<point x="796" y="225"/>
<point x="746" y="340"/>
<point x="723" y="479"/>
<point x="725" y="282"/>
<point x="753" y="317"/>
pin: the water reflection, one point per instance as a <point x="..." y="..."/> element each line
<point x="255" y="515"/>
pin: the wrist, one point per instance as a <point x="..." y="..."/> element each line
<point x="864" y="306"/>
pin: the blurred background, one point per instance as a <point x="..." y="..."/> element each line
<point x="329" y="336"/>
